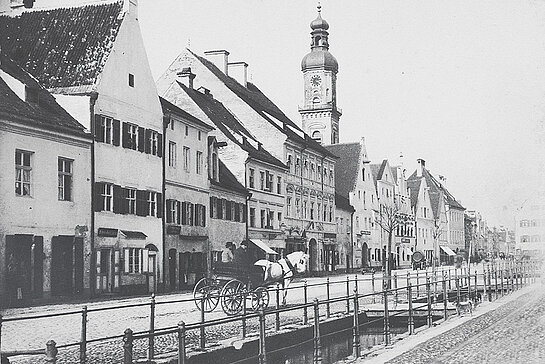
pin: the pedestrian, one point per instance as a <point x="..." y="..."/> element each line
<point x="227" y="253"/>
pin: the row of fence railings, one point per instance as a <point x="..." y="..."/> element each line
<point x="430" y="296"/>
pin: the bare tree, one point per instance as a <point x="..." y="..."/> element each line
<point x="388" y="219"/>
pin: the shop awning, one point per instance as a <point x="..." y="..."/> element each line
<point x="261" y="245"/>
<point x="134" y="234"/>
<point x="448" y="250"/>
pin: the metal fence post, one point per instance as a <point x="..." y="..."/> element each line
<point x="356" y="329"/>
<point x="127" y="347"/>
<point x="356" y="281"/>
<point x="151" y="339"/>
<point x="489" y="285"/>
<point x="408" y="282"/>
<point x="458" y="290"/>
<point x="476" y="285"/>
<point x="449" y="279"/>
<point x="445" y="296"/>
<point x="51" y="352"/>
<point x="202" y="330"/>
<point x="83" y="340"/>
<point x="417" y="284"/>
<point x="328" y="297"/>
<point x="277" y="315"/>
<point x="305" y="311"/>
<point x="501" y="283"/>
<point x="347" y="294"/>
<point x="181" y="342"/>
<point x="395" y="292"/>
<point x="411" y="317"/>
<point x="262" y="348"/>
<point x="317" y="344"/>
<point x="244" y="312"/>
<point x="386" y="315"/>
<point x="428" y="295"/>
<point x="496" y="281"/>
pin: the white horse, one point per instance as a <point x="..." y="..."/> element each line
<point x="284" y="270"/>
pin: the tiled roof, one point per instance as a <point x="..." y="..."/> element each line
<point x="262" y="105"/>
<point x="42" y="112"/>
<point x="342" y="202"/>
<point x="228" y="180"/>
<point x="62" y="47"/>
<point x="170" y="107"/>
<point x="226" y="123"/>
<point x="377" y="170"/>
<point x="347" y="167"/>
<point x="414" y="188"/>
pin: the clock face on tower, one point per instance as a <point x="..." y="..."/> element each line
<point x="315" y="80"/>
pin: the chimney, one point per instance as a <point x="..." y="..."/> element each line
<point x="204" y="91"/>
<point x="219" y="58"/>
<point x="28" y="3"/>
<point x="186" y="77"/>
<point x="420" y="168"/>
<point x="239" y="71"/>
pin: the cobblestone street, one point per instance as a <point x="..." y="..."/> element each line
<point x="512" y="330"/>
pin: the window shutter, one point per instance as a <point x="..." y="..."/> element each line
<point x="141" y="139"/>
<point x="125" y="136"/>
<point x="211" y="208"/>
<point x="159" y="205"/>
<point x="228" y="210"/>
<point x="219" y="208"/>
<point x="99" y="202"/>
<point x="191" y="214"/>
<point x="115" y="134"/>
<point x="203" y="215"/>
<point x="99" y="131"/>
<point x="159" y="145"/>
<point x="148" y="141"/>
<point x="126" y="253"/>
<point x="145" y="260"/>
<point x="184" y="213"/>
<point x="118" y="199"/>
<point x="178" y="212"/>
<point x="142" y="203"/>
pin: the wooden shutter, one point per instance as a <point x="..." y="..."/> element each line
<point x="99" y="201"/>
<point x="148" y="141"/>
<point x="184" y="213"/>
<point x="228" y="210"/>
<point x="219" y="208"/>
<point x="99" y="130"/>
<point x="141" y="139"/>
<point x="115" y="133"/>
<point x="125" y="137"/>
<point x="191" y="214"/>
<point x="142" y="207"/>
<point x="178" y="217"/>
<point x="126" y="254"/>
<point x="118" y="199"/>
<point x="211" y="207"/>
<point x="203" y="215"/>
<point x="168" y="217"/>
<point x="159" y="205"/>
<point x="145" y="260"/>
<point x="159" y="145"/>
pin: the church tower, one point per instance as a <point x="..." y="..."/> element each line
<point x="319" y="113"/>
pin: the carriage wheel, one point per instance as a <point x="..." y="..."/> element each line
<point x="260" y="298"/>
<point x="206" y="289"/>
<point x="232" y="296"/>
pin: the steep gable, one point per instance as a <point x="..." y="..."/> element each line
<point x="65" y="47"/>
<point x="414" y="188"/>
<point x="347" y="167"/>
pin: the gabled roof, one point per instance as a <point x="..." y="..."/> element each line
<point x="414" y="189"/>
<point x="377" y="170"/>
<point x="253" y="96"/>
<point x="43" y="111"/>
<point x="170" y="107"/>
<point x="226" y="122"/>
<point x="62" y="47"/>
<point x="347" y="167"/>
<point x="228" y="180"/>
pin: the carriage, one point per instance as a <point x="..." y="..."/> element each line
<point x="232" y="286"/>
<point x="236" y="288"/>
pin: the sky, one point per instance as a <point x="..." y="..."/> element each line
<point x="460" y="84"/>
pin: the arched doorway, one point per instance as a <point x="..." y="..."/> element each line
<point x="364" y="255"/>
<point x="313" y="254"/>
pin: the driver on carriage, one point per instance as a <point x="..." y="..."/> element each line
<point x="242" y="256"/>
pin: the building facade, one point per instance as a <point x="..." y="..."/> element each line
<point x="530" y="227"/>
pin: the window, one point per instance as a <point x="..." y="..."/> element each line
<point x="186" y="130"/>
<point x="279" y="219"/>
<point x="215" y="167"/>
<point x="288" y="206"/>
<point x="171" y="211"/>
<point x="65" y="179"/>
<point x="330" y="213"/>
<point x="325" y="212"/>
<point x="152" y="203"/>
<point x="312" y="210"/>
<point x="297" y="208"/>
<point x="363" y="174"/>
<point x="23" y="171"/>
<point x="154" y="142"/>
<point x="107" y="196"/>
<point x="270" y="219"/>
<point x="252" y="217"/>
<point x="199" y="135"/>
<point x="131" y="200"/>
<point x="331" y="177"/>
<point x="252" y="178"/>
<point x="106" y="130"/>
<point x="305" y="209"/>
<point x="279" y="185"/>
<point x="263" y="217"/>
<point x="298" y="166"/>
<point x="290" y="163"/>
<point x="316" y="135"/>
<point x="131" y="80"/>
<point x="172" y="154"/>
<point x="130" y="136"/>
<point x="135" y="260"/>
<point x="199" y="162"/>
<point x="262" y="180"/>
<point x="319" y="211"/>
<point x="187" y="160"/>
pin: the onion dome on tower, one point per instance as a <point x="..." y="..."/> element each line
<point x="319" y="56"/>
